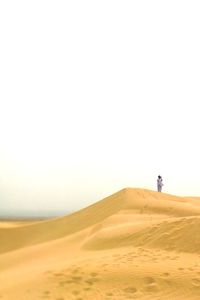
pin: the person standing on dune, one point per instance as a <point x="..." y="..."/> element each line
<point x="159" y="183"/>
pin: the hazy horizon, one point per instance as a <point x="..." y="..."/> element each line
<point x="96" y="97"/>
<point x="33" y="214"/>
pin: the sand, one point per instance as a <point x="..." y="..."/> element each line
<point x="135" y="244"/>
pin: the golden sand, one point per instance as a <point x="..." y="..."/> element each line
<point x="135" y="244"/>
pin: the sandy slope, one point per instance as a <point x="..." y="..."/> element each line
<point x="135" y="244"/>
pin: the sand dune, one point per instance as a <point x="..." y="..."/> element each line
<point x="135" y="244"/>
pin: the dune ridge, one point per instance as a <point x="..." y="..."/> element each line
<point x="134" y="244"/>
<point x="135" y="199"/>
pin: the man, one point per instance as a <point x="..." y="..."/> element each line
<point x="159" y="183"/>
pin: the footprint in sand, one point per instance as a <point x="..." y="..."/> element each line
<point x="196" y="282"/>
<point x="94" y="274"/>
<point x="63" y="283"/>
<point x="77" y="278"/>
<point x="58" y="274"/>
<point x="46" y="294"/>
<point x="67" y="282"/>
<point x="151" y="288"/>
<point x="87" y="289"/>
<point x="75" y="292"/>
<point x="151" y="285"/>
<point x="91" y="281"/>
<point x="149" y="280"/>
<point x="166" y="274"/>
<point x="129" y="259"/>
<point x="167" y="257"/>
<point x="154" y="259"/>
<point x="104" y="265"/>
<point x="130" y="290"/>
<point x="109" y="294"/>
<point x="76" y="270"/>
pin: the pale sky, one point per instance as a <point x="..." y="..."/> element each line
<point x="96" y="96"/>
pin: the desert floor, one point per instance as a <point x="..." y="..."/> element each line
<point x="135" y="244"/>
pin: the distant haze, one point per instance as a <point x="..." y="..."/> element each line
<point x="29" y="214"/>
<point x="96" y="96"/>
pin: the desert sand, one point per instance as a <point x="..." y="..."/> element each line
<point x="135" y="244"/>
